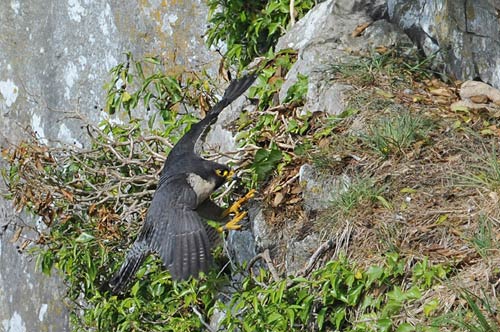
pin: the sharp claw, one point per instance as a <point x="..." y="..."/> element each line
<point x="235" y="208"/>
<point x="233" y="225"/>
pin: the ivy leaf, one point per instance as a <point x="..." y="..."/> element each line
<point x="321" y="317"/>
<point x="384" y="324"/>
<point x="84" y="238"/>
<point x="265" y="162"/>
<point x="430" y="307"/>
<point x="373" y="273"/>
<point x="298" y="91"/>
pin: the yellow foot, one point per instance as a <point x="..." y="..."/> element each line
<point x="235" y="208"/>
<point x="233" y="225"/>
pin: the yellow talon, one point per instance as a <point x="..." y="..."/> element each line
<point x="235" y="208"/>
<point x="233" y="225"/>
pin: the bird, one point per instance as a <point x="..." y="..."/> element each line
<point x="175" y="226"/>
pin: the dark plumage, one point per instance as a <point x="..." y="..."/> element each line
<point x="174" y="226"/>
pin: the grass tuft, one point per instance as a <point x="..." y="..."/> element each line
<point x="486" y="173"/>
<point x="362" y="190"/>
<point x="396" y="134"/>
<point x="477" y="319"/>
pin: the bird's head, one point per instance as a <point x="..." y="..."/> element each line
<point x="208" y="177"/>
<point x="214" y="172"/>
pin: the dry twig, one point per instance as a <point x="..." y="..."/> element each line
<point x="267" y="258"/>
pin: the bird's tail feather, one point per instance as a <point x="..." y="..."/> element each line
<point x="135" y="256"/>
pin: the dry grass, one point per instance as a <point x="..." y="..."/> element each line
<point x="440" y="192"/>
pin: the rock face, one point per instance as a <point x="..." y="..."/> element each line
<point x="55" y="57"/>
<point x="324" y="38"/>
<point x="465" y="34"/>
<point x="318" y="189"/>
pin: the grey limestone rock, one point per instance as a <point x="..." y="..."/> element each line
<point x="465" y="35"/>
<point x="327" y="98"/>
<point x="324" y="37"/>
<point x="318" y="188"/>
<point x="55" y="57"/>
<point x="298" y="252"/>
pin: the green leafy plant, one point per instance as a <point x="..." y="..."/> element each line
<point x="154" y="88"/>
<point x="338" y="296"/>
<point x="155" y="303"/>
<point x="145" y="84"/>
<point x="427" y="274"/>
<point x="298" y="91"/>
<point x="265" y="161"/>
<point x="261" y="130"/>
<point x="271" y="78"/>
<point x="250" y="28"/>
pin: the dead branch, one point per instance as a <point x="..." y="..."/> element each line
<point x="267" y="258"/>
<point x="316" y="256"/>
<point x="338" y="242"/>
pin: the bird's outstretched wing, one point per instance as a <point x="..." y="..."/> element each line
<point x="183" y="244"/>
<point x="186" y="145"/>
<point x="179" y="235"/>
<point x="174" y="230"/>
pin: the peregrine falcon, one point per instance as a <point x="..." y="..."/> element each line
<point x="174" y="227"/>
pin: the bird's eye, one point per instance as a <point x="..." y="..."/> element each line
<point x="224" y="173"/>
<point x="221" y="172"/>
